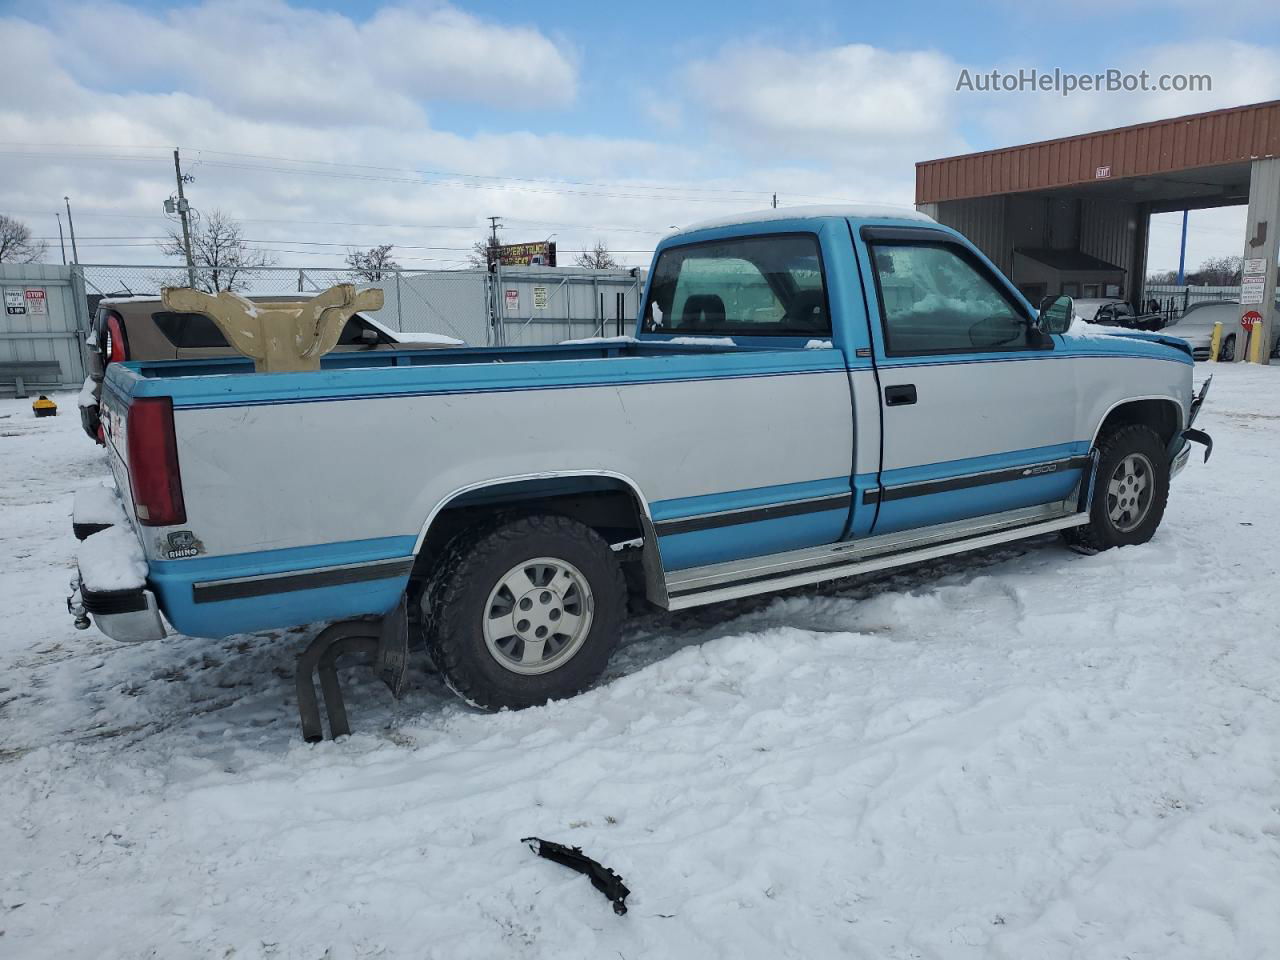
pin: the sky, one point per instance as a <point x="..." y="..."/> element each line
<point x="328" y="126"/>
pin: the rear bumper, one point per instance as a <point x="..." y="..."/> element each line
<point x="129" y="616"/>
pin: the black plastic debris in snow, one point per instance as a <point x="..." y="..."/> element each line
<point x="602" y="878"/>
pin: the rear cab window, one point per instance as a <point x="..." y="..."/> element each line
<point x="756" y="286"/>
<point x="188" y="330"/>
<point x="192" y="331"/>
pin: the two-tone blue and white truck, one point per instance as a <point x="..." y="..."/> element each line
<point x="810" y="394"/>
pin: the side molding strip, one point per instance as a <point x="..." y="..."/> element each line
<point x="215" y="591"/>
<point x="773" y="511"/>
<point x="924" y="488"/>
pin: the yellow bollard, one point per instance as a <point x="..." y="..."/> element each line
<point x="1255" y="343"/>
<point x="1215" y="344"/>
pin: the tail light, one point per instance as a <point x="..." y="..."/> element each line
<point x="153" y="463"/>
<point x="115" y="349"/>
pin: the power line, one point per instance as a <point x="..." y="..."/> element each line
<point x="455" y="178"/>
<point x="657" y="185"/>
<point x="514" y="184"/>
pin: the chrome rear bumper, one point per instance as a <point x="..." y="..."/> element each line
<point x="129" y="616"/>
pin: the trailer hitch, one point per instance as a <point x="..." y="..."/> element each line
<point x="385" y="638"/>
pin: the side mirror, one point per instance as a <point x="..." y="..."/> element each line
<point x="1055" y="314"/>
<point x="368" y="336"/>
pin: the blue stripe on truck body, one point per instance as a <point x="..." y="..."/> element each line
<point x="174" y="582"/>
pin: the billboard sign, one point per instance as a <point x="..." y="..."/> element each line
<point x="540" y="254"/>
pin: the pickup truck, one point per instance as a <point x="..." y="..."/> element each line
<point x="810" y="393"/>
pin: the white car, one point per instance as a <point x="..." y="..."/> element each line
<point x="1196" y="327"/>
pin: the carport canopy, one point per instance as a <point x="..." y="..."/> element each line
<point x="1094" y="193"/>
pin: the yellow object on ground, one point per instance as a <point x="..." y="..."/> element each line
<point x="1215" y="344"/>
<point x="42" y="406"/>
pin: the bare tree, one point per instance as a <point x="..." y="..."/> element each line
<point x="373" y="264"/>
<point x="597" y="258"/>
<point x="1217" y="272"/>
<point x="16" y="245"/>
<point x="1162" y="277"/>
<point x="219" y="251"/>
<point x="479" y="255"/>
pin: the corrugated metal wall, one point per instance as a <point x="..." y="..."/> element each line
<point x="551" y="304"/>
<point x="1235" y="135"/>
<point x="1108" y="231"/>
<point x="983" y="220"/>
<point x="999" y="225"/>
<point x="55" y="334"/>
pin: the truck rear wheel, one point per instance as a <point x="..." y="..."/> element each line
<point x="524" y="610"/>
<point x="1130" y="490"/>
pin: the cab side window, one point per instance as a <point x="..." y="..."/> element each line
<point x="936" y="299"/>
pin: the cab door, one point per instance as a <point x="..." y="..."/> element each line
<point x="977" y="406"/>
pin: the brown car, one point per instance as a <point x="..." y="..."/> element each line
<point x="142" y="328"/>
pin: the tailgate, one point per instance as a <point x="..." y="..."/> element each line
<point x="114" y="414"/>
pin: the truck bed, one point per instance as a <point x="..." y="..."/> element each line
<point x="346" y="467"/>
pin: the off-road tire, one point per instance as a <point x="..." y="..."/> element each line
<point x="1101" y="533"/>
<point x="454" y="603"/>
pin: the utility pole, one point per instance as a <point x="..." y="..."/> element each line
<point x="71" y="225"/>
<point x="186" y="226"/>
<point x="61" y="242"/>
<point x="1182" y="253"/>
<point x="497" y="323"/>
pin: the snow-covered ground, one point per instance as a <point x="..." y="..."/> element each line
<point x="1026" y="753"/>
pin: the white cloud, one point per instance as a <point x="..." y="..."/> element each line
<point x="272" y="60"/>
<point x="118" y="187"/>
<point x="856" y="94"/>
<point x="845" y="122"/>
<point x="1018" y="117"/>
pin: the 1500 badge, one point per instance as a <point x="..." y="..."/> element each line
<point x="180" y="544"/>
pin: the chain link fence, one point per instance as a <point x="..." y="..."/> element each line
<point x="1175" y="300"/>
<point x="531" y="305"/>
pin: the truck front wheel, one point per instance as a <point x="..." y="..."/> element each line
<point x="524" y="610"/>
<point x="1130" y="490"/>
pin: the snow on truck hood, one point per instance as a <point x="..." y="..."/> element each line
<point x="1081" y="329"/>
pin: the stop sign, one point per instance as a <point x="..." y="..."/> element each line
<point x="1251" y="319"/>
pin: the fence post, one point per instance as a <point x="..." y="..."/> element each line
<point x="399" y="308"/>
<point x="80" y="296"/>
<point x="499" y="308"/>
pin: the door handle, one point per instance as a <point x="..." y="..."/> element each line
<point x="900" y="395"/>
